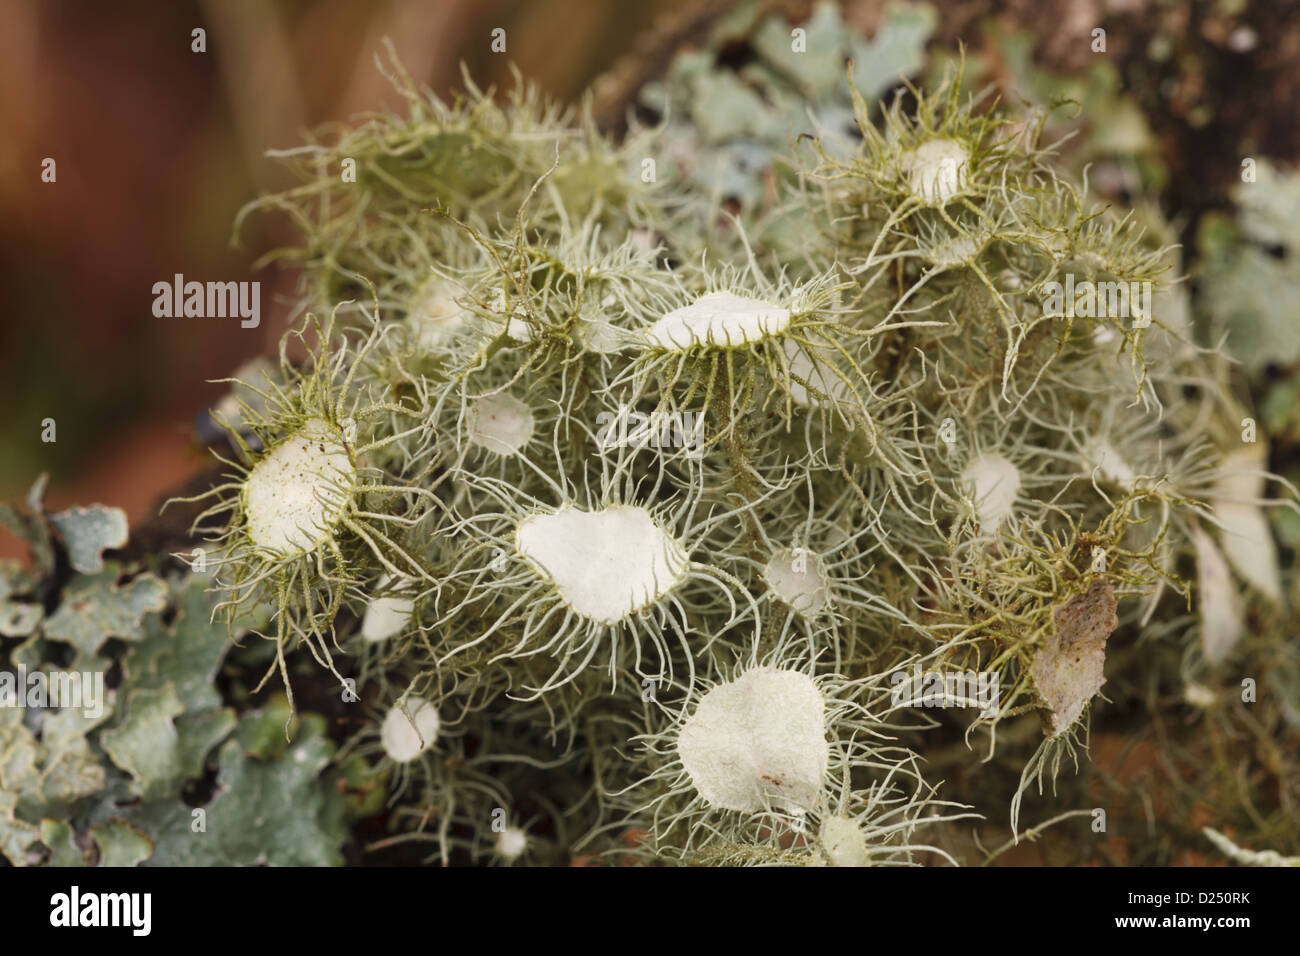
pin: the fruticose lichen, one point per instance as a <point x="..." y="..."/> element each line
<point x="865" y="446"/>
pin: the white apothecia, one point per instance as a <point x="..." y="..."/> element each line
<point x="605" y="564"/>
<point x="1109" y="464"/>
<point x="296" y="495"/>
<point x="814" y="368"/>
<point x="500" y="423"/>
<point x="758" y="743"/>
<point x="936" y="170"/>
<point x="1220" y="606"/>
<point x="511" y="843"/>
<point x="1246" y="537"/>
<point x="434" y="320"/>
<point x="601" y="336"/>
<point x="843" y="842"/>
<point x="409" y="729"/>
<point x="992" y="483"/>
<point x="798" y="577"/>
<point x="386" y="615"/>
<point x="518" y="329"/>
<point x="718" y="319"/>
<point x="597" y="334"/>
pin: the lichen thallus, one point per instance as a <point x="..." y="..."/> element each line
<point x="306" y="515"/>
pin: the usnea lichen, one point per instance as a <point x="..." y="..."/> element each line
<point x="864" y="439"/>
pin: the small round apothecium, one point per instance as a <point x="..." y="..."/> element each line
<point x="386" y="615"/>
<point x="993" y="483"/>
<point x="500" y="423"/>
<point x="936" y="170"/>
<point x="434" y="320"/>
<point x="511" y="843"/>
<point x="409" y="729"/>
<point x="843" y="842"/>
<point x="798" y="577"/>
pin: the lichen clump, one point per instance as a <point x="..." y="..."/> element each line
<point x="666" y="501"/>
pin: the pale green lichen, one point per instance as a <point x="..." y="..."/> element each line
<point x="861" y="443"/>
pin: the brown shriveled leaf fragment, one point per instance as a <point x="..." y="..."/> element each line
<point x="1068" y="670"/>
